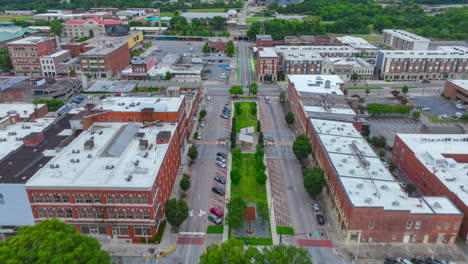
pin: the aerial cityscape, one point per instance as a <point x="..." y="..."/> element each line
<point x="213" y="131"/>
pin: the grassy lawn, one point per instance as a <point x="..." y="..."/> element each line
<point x="10" y="17"/>
<point x="363" y="88"/>
<point x="251" y="20"/>
<point x="326" y="22"/>
<point x="246" y="118"/>
<point x="285" y="230"/>
<point x="257" y="241"/>
<point x="215" y="229"/>
<point x="167" y="14"/>
<point x="436" y="119"/>
<point x="248" y="188"/>
<point x="206" y="10"/>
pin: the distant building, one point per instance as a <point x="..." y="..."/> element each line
<point x="75" y="48"/>
<point x="25" y="54"/>
<point x="312" y="40"/>
<point x="323" y="51"/>
<point x="93" y="27"/>
<point x="218" y="43"/>
<point x="301" y="63"/>
<point x="134" y="39"/>
<point x="20" y="12"/>
<point x="457" y="90"/>
<point x="267" y="64"/>
<point x="346" y="67"/>
<point x="130" y="14"/>
<point x="403" y="40"/>
<point x="103" y="61"/>
<point x="10" y="32"/>
<point x="266" y="41"/>
<point x="66" y="16"/>
<point x="365" y="48"/>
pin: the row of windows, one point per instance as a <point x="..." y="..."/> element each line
<point x="417" y="224"/>
<point x="117" y="230"/>
<point x="25" y="61"/>
<point x="92" y="213"/>
<point x="88" y="198"/>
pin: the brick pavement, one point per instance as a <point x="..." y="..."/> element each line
<point x="280" y="199"/>
<point x="313" y="243"/>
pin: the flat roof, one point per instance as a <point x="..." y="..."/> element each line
<point x="320" y="109"/>
<point x="364" y="178"/>
<point x="356" y="42"/>
<point x="267" y="53"/>
<point x="302" y="56"/>
<point x="317" y="83"/>
<point x="430" y="149"/>
<point x="103" y="49"/>
<point x="136" y="104"/>
<point x="264" y="37"/>
<point x="15" y="209"/>
<point x="355" y="62"/>
<point x="21" y="129"/>
<point x="192" y="15"/>
<point x="56" y="54"/>
<point x="445" y="52"/>
<point x="117" y="146"/>
<point x="113" y="86"/>
<point x="406" y="35"/>
<point x="329" y="110"/>
<point x="319" y="49"/>
<point x="462" y="83"/>
<point x="29" y="41"/>
<point x="23" y="109"/>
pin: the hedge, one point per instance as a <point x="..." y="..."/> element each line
<point x="378" y="109"/>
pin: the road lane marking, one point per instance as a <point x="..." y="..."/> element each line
<point x="301" y="210"/>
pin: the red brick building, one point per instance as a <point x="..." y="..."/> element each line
<point x="76" y="48"/>
<point x="266" y="41"/>
<point x="114" y="178"/>
<point x="267" y="64"/>
<point x="218" y="44"/>
<point x="25" y="54"/>
<point x="437" y="165"/>
<point x="456" y="90"/>
<point x="369" y="203"/>
<point x="103" y="61"/>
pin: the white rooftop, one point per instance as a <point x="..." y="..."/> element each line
<point x="355" y="62"/>
<point x="56" y="54"/>
<point x="341" y="111"/>
<point x="23" y="109"/>
<point x="15" y="209"/>
<point x="267" y="53"/>
<point x="117" y="147"/>
<point x="15" y="132"/>
<point x="136" y="104"/>
<point x="317" y="83"/>
<point x="450" y="172"/>
<point x="364" y="178"/>
<point x="29" y="41"/>
<point x="319" y="49"/>
<point x="405" y="35"/>
<point x="462" y="83"/>
<point x="302" y="56"/>
<point x="356" y="42"/>
<point x="446" y="52"/>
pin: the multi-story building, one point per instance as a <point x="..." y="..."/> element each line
<point x="444" y="63"/>
<point x="437" y="165"/>
<point x="114" y="178"/>
<point x="363" y="46"/>
<point x="104" y="61"/>
<point x="368" y="202"/>
<point x="267" y="64"/>
<point x="301" y="63"/>
<point x="134" y="39"/>
<point x="50" y="62"/>
<point x="92" y="27"/>
<point x="403" y="40"/>
<point x="75" y="48"/>
<point x="346" y="67"/>
<point x="25" y="54"/>
<point x="140" y="68"/>
<point x="313" y="40"/>
<point x="266" y="41"/>
<point x="456" y="90"/>
<point x="324" y="51"/>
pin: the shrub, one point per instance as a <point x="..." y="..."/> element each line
<point x="378" y="109"/>
<point x="235" y="176"/>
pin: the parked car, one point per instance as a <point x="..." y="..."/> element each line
<point x="200" y="134"/>
<point x="216" y="212"/>
<point x="443" y="116"/>
<point x="458" y="115"/>
<point x="220" y="179"/>
<point x="102" y="96"/>
<point x="208" y="98"/>
<point x="424" y="108"/>
<point x="320" y="219"/>
<point x="460" y="106"/>
<point x="315" y="205"/>
<point x="224" y="116"/>
<point x="221" y="154"/>
<point x="202" y="124"/>
<point x="218" y="190"/>
<point x="226" y="103"/>
<point x="221" y="159"/>
<point x="221" y="164"/>
<point x="410" y="97"/>
<point x="213" y="218"/>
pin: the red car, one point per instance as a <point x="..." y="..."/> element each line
<point x="216" y="212"/>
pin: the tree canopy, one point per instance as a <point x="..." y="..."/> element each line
<point x="52" y="104"/>
<point x="193" y="152"/>
<point x="230" y="48"/>
<point x="185" y="182"/>
<point x="5" y="60"/>
<point x="314" y="180"/>
<point x="234" y="251"/>
<point x="302" y="147"/>
<point x="236" y="90"/>
<point x="289" y="117"/>
<point x="235" y="217"/>
<point x="177" y="211"/>
<point x="52" y="241"/>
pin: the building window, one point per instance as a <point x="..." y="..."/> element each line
<point x="69" y="213"/>
<point x="100" y="213"/>
<point x="414" y="237"/>
<point x="142" y="231"/>
<point x="50" y="213"/>
<point x="138" y="214"/>
<point x="109" y="199"/>
<point x="47" y="198"/>
<point x="439" y="225"/>
<point x="409" y="224"/>
<point x="144" y="199"/>
<point x="112" y="214"/>
<point x="447" y="225"/>
<point x="394" y="236"/>
<point x="417" y="224"/>
<point x="456" y="225"/>
<point x="118" y="199"/>
<point x="127" y="199"/>
<point x="37" y="198"/>
<point x="120" y="213"/>
<point x="60" y="213"/>
<point x="371" y="224"/>
<point x="87" y="198"/>
<point x="56" y="198"/>
<point x="40" y="212"/>
<point x="120" y="230"/>
<point x="146" y="214"/>
<point x="97" y="198"/>
<point x="81" y="213"/>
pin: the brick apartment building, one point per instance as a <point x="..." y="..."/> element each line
<point x="75" y="48"/>
<point x="267" y="64"/>
<point x="103" y="61"/>
<point x="446" y="62"/>
<point x="404" y="40"/>
<point x="266" y="41"/>
<point x="437" y="165"/>
<point x="113" y="179"/>
<point x="363" y="46"/>
<point x="25" y="54"/>
<point x="92" y="27"/>
<point x="301" y="63"/>
<point x="369" y="203"/>
<point x="456" y="90"/>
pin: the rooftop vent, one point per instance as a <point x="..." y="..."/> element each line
<point x="359" y="185"/>
<point x="384" y="187"/>
<point x="129" y="178"/>
<point x="437" y="205"/>
<point x="368" y="200"/>
<point x="396" y="203"/>
<point x="109" y="167"/>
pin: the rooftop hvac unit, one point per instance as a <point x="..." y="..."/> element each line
<point x="368" y="200"/>
<point x="396" y="203"/>
<point x="129" y="178"/>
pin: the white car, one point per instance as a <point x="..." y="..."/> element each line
<point x="426" y="109"/>
<point x="443" y="116"/>
<point x="202" y="124"/>
<point x="410" y="97"/>
<point x="208" y="98"/>
<point x="460" y="106"/>
<point x="221" y="164"/>
<point x="458" y="114"/>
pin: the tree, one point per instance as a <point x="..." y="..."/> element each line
<point x="282" y="96"/>
<point x="55" y="27"/>
<point x="289" y="118"/>
<point x="234" y="251"/>
<point x="410" y="188"/>
<point x="464" y="117"/>
<point x="404" y="89"/>
<point x="230" y="48"/>
<point x="177" y="211"/>
<point x="236" y="90"/>
<point x="314" y="180"/>
<point x="168" y="76"/>
<point x="302" y="147"/>
<point x="235" y="175"/>
<point x="263" y="212"/>
<point x="52" y="241"/>
<point x="235" y="218"/>
<point x="354" y="76"/>
<point x="202" y="114"/>
<point x="185" y="182"/>
<point x="395" y="93"/>
<point x="416" y="115"/>
<point x="52" y="104"/>
<point x="261" y="139"/>
<point x="233" y="137"/>
<point x="193" y="152"/>
<point x="367" y="91"/>
<point x="72" y="73"/>
<point x="206" y="48"/>
<point x="5" y="60"/>
<point x="238" y="108"/>
<point x="253" y="88"/>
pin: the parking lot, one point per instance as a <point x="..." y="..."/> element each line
<point x="389" y="127"/>
<point x="437" y="105"/>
